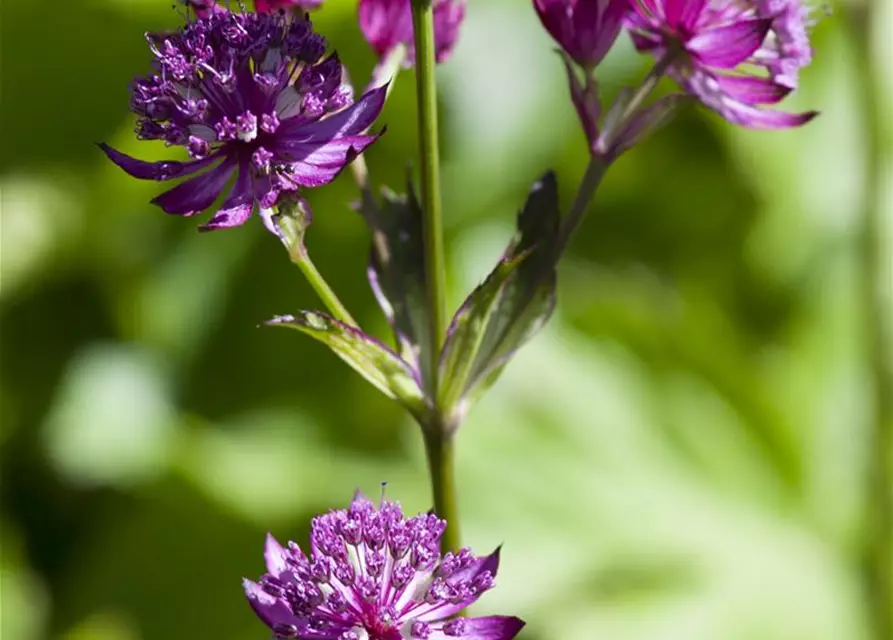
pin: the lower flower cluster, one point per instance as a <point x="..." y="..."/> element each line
<point x="373" y="574"/>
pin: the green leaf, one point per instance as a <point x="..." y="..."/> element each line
<point x="377" y="363"/>
<point x="512" y="304"/>
<point x="397" y="272"/>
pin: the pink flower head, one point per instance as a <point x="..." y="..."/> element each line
<point x="716" y="46"/>
<point x="255" y="102"/>
<point x="585" y="29"/>
<point x="373" y="574"/>
<point x="273" y="6"/>
<point x="387" y="24"/>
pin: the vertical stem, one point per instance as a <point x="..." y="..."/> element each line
<point x="439" y="448"/>
<point x="598" y="163"/>
<point x="423" y="32"/>
<point x="876" y="289"/>
<point x="595" y="171"/>
<point x="438" y="438"/>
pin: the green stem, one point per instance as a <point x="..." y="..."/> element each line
<point x="302" y="259"/>
<point x="591" y="179"/>
<point x="598" y="164"/>
<point x="439" y="448"/>
<point x="876" y="288"/>
<point x="435" y="270"/>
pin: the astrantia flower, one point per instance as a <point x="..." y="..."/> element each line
<point x="717" y="46"/>
<point x="372" y="574"/>
<point x="272" y="6"/>
<point x="249" y="96"/>
<point x="387" y="24"/>
<point x="585" y="29"/>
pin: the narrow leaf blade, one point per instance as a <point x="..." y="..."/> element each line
<point x="513" y="303"/>
<point x="397" y="272"/>
<point x="377" y="363"/>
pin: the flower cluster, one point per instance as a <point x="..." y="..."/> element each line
<point x="734" y="56"/>
<point x="252" y="96"/>
<point x="372" y="574"/>
<point x="713" y="48"/>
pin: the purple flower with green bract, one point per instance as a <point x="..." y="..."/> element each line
<point x="717" y="49"/>
<point x="251" y="97"/>
<point x="373" y="574"/>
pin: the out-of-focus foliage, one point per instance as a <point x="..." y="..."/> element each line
<point x="677" y="457"/>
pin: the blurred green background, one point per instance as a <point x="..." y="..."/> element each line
<point x="679" y="456"/>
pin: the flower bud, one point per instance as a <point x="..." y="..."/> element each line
<point x="585" y="29"/>
<point x="387" y="24"/>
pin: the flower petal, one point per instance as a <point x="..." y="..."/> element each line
<point x="482" y="563"/>
<point x="196" y="194"/>
<point x="313" y="165"/>
<point x="431" y="613"/>
<point x="237" y="207"/>
<point x="351" y="121"/>
<point x="706" y="88"/>
<point x="269" y="609"/>
<point x="682" y="14"/>
<point x="484" y="628"/>
<point x="275" y="556"/>
<point x="727" y="47"/>
<point x="753" y="90"/>
<point x="163" y="170"/>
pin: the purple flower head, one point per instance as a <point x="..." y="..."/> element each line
<point x="251" y="97"/>
<point x="717" y="48"/>
<point x="585" y="29"/>
<point x="372" y="574"/>
<point x="273" y="6"/>
<point x="387" y="24"/>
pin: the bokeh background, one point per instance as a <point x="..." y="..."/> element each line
<point x="679" y="456"/>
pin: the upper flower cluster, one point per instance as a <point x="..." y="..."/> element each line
<point x="250" y="95"/>
<point x="716" y="49"/>
<point x="734" y="56"/>
<point x="374" y="575"/>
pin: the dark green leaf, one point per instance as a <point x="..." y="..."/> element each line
<point x="383" y="368"/>
<point x="513" y="303"/>
<point x="397" y="272"/>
